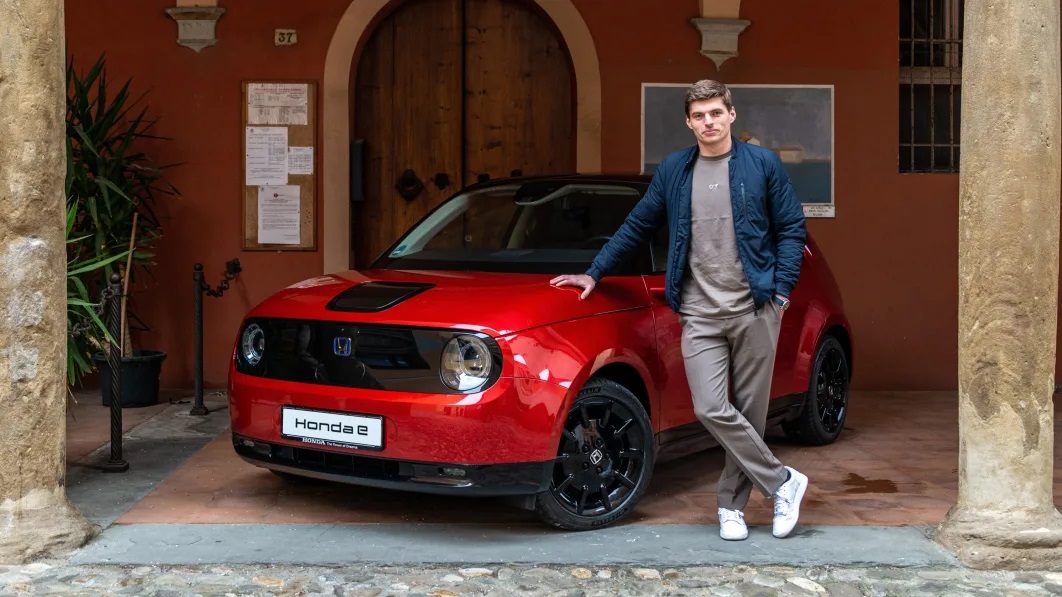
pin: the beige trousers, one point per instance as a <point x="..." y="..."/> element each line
<point x="737" y="352"/>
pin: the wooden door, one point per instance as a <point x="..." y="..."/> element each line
<point x="450" y="91"/>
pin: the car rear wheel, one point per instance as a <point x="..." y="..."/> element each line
<point x="826" y="404"/>
<point x="604" y="460"/>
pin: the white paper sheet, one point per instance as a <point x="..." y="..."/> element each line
<point x="278" y="215"/>
<point x="300" y="160"/>
<point x="267" y="155"/>
<point x="277" y="103"/>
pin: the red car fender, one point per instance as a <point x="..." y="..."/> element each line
<point x="571" y="352"/>
<point x="793" y="370"/>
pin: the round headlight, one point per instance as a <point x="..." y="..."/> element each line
<point x="466" y="363"/>
<point x="252" y="344"/>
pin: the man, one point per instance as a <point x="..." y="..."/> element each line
<point x="736" y="243"/>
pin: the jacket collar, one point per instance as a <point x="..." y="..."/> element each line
<point x="692" y="152"/>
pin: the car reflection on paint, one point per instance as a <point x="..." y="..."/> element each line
<point x="452" y="366"/>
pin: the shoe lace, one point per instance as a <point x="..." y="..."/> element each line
<point x="782" y="505"/>
<point x="731" y="516"/>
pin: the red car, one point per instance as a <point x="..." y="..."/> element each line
<point x="452" y="365"/>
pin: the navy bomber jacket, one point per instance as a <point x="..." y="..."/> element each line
<point x="768" y="222"/>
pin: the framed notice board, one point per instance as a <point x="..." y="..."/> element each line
<point x="279" y="165"/>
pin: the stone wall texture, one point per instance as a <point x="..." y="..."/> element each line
<point x="1008" y="286"/>
<point x="35" y="517"/>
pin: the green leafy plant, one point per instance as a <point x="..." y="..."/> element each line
<point x="111" y="192"/>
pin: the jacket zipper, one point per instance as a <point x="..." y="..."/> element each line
<point x="744" y="203"/>
<point x="745" y="214"/>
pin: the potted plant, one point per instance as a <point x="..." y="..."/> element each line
<point x="112" y="228"/>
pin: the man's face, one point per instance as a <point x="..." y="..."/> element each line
<point x="710" y="120"/>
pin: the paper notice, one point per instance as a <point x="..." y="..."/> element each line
<point x="300" y="160"/>
<point x="278" y="215"/>
<point x="267" y="155"/>
<point x="277" y="103"/>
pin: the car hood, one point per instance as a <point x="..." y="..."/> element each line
<point x="493" y="303"/>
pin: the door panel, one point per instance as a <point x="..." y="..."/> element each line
<point x="461" y="88"/>
<point x="676" y="403"/>
<point x="518" y="93"/>
<point x="409" y="111"/>
<point x="427" y="123"/>
<point x="372" y="219"/>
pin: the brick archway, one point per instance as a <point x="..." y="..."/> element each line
<point x="336" y="97"/>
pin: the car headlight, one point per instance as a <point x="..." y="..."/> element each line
<point x="466" y="363"/>
<point x="252" y="344"/>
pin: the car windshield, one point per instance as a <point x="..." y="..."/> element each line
<point x="551" y="226"/>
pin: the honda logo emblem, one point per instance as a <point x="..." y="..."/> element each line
<point x="596" y="456"/>
<point x="341" y="347"/>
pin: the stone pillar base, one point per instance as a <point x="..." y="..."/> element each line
<point x="998" y="541"/>
<point x="41" y="525"/>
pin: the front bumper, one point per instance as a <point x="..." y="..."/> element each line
<point x="516" y="420"/>
<point x="423" y="477"/>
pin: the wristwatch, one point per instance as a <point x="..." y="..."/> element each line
<point x="783" y="303"/>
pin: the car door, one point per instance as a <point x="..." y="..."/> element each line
<point x="677" y="419"/>
<point x="675" y="404"/>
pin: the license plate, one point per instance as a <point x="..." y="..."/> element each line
<point x="332" y="429"/>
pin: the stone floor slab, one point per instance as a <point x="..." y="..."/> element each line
<point x="437" y="544"/>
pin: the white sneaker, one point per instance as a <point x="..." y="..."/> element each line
<point x="787" y="503"/>
<point x="732" y="525"/>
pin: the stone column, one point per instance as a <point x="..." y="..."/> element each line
<point x="1008" y="287"/>
<point x="36" y="520"/>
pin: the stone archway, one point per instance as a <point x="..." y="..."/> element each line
<point x="336" y="97"/>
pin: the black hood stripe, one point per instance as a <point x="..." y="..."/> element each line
<point x="371" y="297"/>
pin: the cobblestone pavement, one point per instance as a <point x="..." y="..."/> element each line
<point x="57" y="579"/>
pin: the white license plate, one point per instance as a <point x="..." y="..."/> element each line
<point x="332" y="429"/>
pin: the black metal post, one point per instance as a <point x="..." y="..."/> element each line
<point x="198" y="409"/>
<point x="114" y="360"/>
<point x="232" y="269"/>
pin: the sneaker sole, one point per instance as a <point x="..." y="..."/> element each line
<point x="796" y="507"/>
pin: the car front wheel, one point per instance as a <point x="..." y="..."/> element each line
<point x="604" y="461"/>
<point x="826" y="404"/>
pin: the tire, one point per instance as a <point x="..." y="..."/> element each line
<point x="604" y="461"/>
<point x="825" y="408"/>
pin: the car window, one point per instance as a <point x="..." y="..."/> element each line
<point x="548" y="226"/>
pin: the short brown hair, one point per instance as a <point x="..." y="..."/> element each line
<point x="706" y="89"/>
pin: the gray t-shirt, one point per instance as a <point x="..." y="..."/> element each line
<point x="715" y="283"/>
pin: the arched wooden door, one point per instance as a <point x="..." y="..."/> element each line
<point x="447" y="92"/>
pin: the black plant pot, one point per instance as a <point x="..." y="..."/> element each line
<point x="140" y="378"/>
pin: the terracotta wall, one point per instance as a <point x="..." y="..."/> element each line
<point x="893" y="244"/>
<point x="198" y="98"/>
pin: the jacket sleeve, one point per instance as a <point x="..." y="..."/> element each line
<point x="787" y="219"/>
<point x="638" y="228"/>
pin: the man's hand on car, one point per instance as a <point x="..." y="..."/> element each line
<point x="583" y="281"/>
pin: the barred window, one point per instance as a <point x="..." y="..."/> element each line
<point x="930" y="84"/>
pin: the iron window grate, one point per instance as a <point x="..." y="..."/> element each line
<point x="930" y="92"/>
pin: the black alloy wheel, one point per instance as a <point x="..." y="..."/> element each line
<point x="822" y="417"/>
<point x="604" y="460"/>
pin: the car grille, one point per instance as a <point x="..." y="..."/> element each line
<point x="351" y="355"/>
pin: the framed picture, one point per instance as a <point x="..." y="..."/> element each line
<point x="794" y="121"/>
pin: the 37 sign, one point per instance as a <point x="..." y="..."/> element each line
<point x="285" y="37"/>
